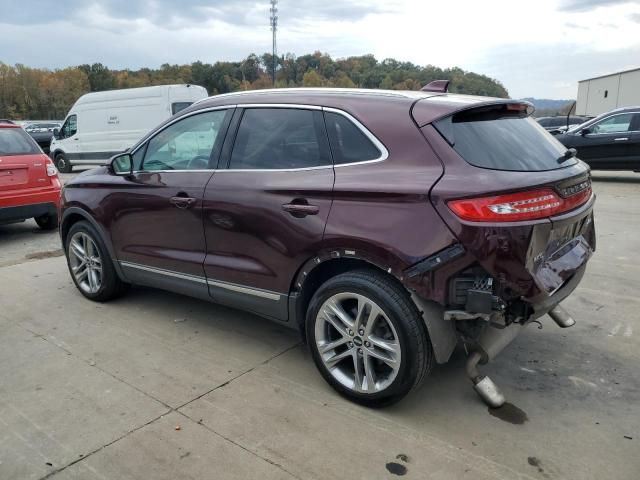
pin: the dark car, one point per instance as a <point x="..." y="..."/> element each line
<point x="610" y="141"/>
<point x="42" y="133"/>
<point x="559" y="123"/>
<point x="385" y="226"/>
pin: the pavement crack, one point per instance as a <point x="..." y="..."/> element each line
<point x="246" y="449"/>
<point x="264" y="362"/>
<point x="78" y="460"/>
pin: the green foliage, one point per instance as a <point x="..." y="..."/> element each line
<point x="39" y="93"/>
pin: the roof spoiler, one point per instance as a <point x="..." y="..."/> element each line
<point x="436" y="86"/>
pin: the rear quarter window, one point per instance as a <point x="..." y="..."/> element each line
<point x="349" y="144"/>
<point x="15" y="141"/>
<point x="498" y="139"/>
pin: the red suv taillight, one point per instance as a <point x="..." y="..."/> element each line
<point x="514" y="207"/>
<point x="52" y="171"/>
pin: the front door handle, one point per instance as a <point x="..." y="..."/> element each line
<point x="182" y="202"/>
<point x="621" y="139"/>
<point x="300" y="210"/>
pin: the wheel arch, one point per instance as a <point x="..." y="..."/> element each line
<point x="320" y="268"/>
<point x="73" y="215"/>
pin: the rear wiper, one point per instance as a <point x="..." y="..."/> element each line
<point x="570" y="153"/>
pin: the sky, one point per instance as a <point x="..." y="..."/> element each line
<point x="536" y="48"/>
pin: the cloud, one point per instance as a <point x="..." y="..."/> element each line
<point x="587" y="5"/>
<point x="182" y="13"/>
<point x="635" y="17"/>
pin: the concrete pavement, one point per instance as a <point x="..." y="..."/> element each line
<point x="155" y="385"/>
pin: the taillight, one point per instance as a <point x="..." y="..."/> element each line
<point x="52" y="171"/>
<point x="514" y="207"/>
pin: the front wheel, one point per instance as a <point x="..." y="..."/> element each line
<point x="367" y="338"/>
<point x="62" y="164"/>
<point x="90" y="264"/>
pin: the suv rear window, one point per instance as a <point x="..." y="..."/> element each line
<point x="499" y="138"/>
<point x="15" y="141"/>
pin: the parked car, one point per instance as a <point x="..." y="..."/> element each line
<point x="559" y="124"/>
<point x="331" y="211"/>
<point x="4" y="120"/>
<point x="101" y="124"/>
<point x="29" y="184"/>
<point x="42" y="133"/>
<point x="610" y="141"/>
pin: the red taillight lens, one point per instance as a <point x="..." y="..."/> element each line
<point x="514" y="207"/>
<point x="52" y="171"/>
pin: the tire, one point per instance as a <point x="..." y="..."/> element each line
<point x="396" y="369"/>
<point x="48" y="221"/>
<point x="62" y="164"/>
<point x="101" y="282"/>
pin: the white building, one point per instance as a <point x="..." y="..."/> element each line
<point x="601" y="94"/>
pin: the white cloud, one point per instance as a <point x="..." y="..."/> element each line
<point x="537" y="48"/>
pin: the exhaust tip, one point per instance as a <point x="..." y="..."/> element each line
<point x="561" y="317"/>
<point x="489" y="392"/>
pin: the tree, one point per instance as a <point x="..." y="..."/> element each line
<point x="39" y="93"/>
<point x="312" y="79"/>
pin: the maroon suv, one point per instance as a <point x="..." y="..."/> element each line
<point x="385" y="226"/>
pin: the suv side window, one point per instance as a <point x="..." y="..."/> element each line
<point x="615" y="124"/>
<point x="184" y="145"/>
<point x="348" y="143"/>
<point x="280" y="138"/>
<point x="70" y="127"/>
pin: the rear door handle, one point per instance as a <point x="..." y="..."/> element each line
<point x="300" y="210"/>
<point x="621" y="139"/>
<point x="182" y="202"/>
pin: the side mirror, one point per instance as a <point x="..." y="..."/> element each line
<point x="585" y="131"/>
<point x="56" y="133"/>
<point x="122" y="164"/>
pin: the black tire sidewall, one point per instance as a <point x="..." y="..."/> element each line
<point x="408" y="372"/>
<point x="47" y="222"/>
<point x="66" y="168"/>
<point x="110" y="280"/>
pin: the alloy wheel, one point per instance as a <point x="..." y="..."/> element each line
<point x="357" y="343"/>
<point x="85" y="262"/>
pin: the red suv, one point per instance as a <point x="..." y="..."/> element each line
<point x="29" y="184"/>
<point x="385" y="226"/>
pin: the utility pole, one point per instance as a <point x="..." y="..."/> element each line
<point x="274" y="29"/>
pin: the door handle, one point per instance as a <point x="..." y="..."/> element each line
<point x="300" y="210"/>
<point x="182" y="202"/>
<point x="622" y="139"/>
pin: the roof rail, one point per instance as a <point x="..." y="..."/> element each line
<point x="436" y="86"/>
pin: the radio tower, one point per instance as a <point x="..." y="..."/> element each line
<point x="274" y="30"/>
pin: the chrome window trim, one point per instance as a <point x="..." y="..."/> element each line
<point x="384" y="153"/>
<point x="256" y="292"/>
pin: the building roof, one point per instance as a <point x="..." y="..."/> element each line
<point x="610" y="74"/>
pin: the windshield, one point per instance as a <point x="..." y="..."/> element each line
<point x="500" y="139"/>
<point x="15" y="141"/>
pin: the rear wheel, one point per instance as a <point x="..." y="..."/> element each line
<point x="367" y="338"/>
<point x="90" y="264"/>
<point x="62" y="164"/>
<point x="48" y="221"/>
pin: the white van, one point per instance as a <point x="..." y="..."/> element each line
<point x="101" y="124"/>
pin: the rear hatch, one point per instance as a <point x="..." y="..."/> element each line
<point x="517" y="201"/>
<point x="22" y="164"/>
